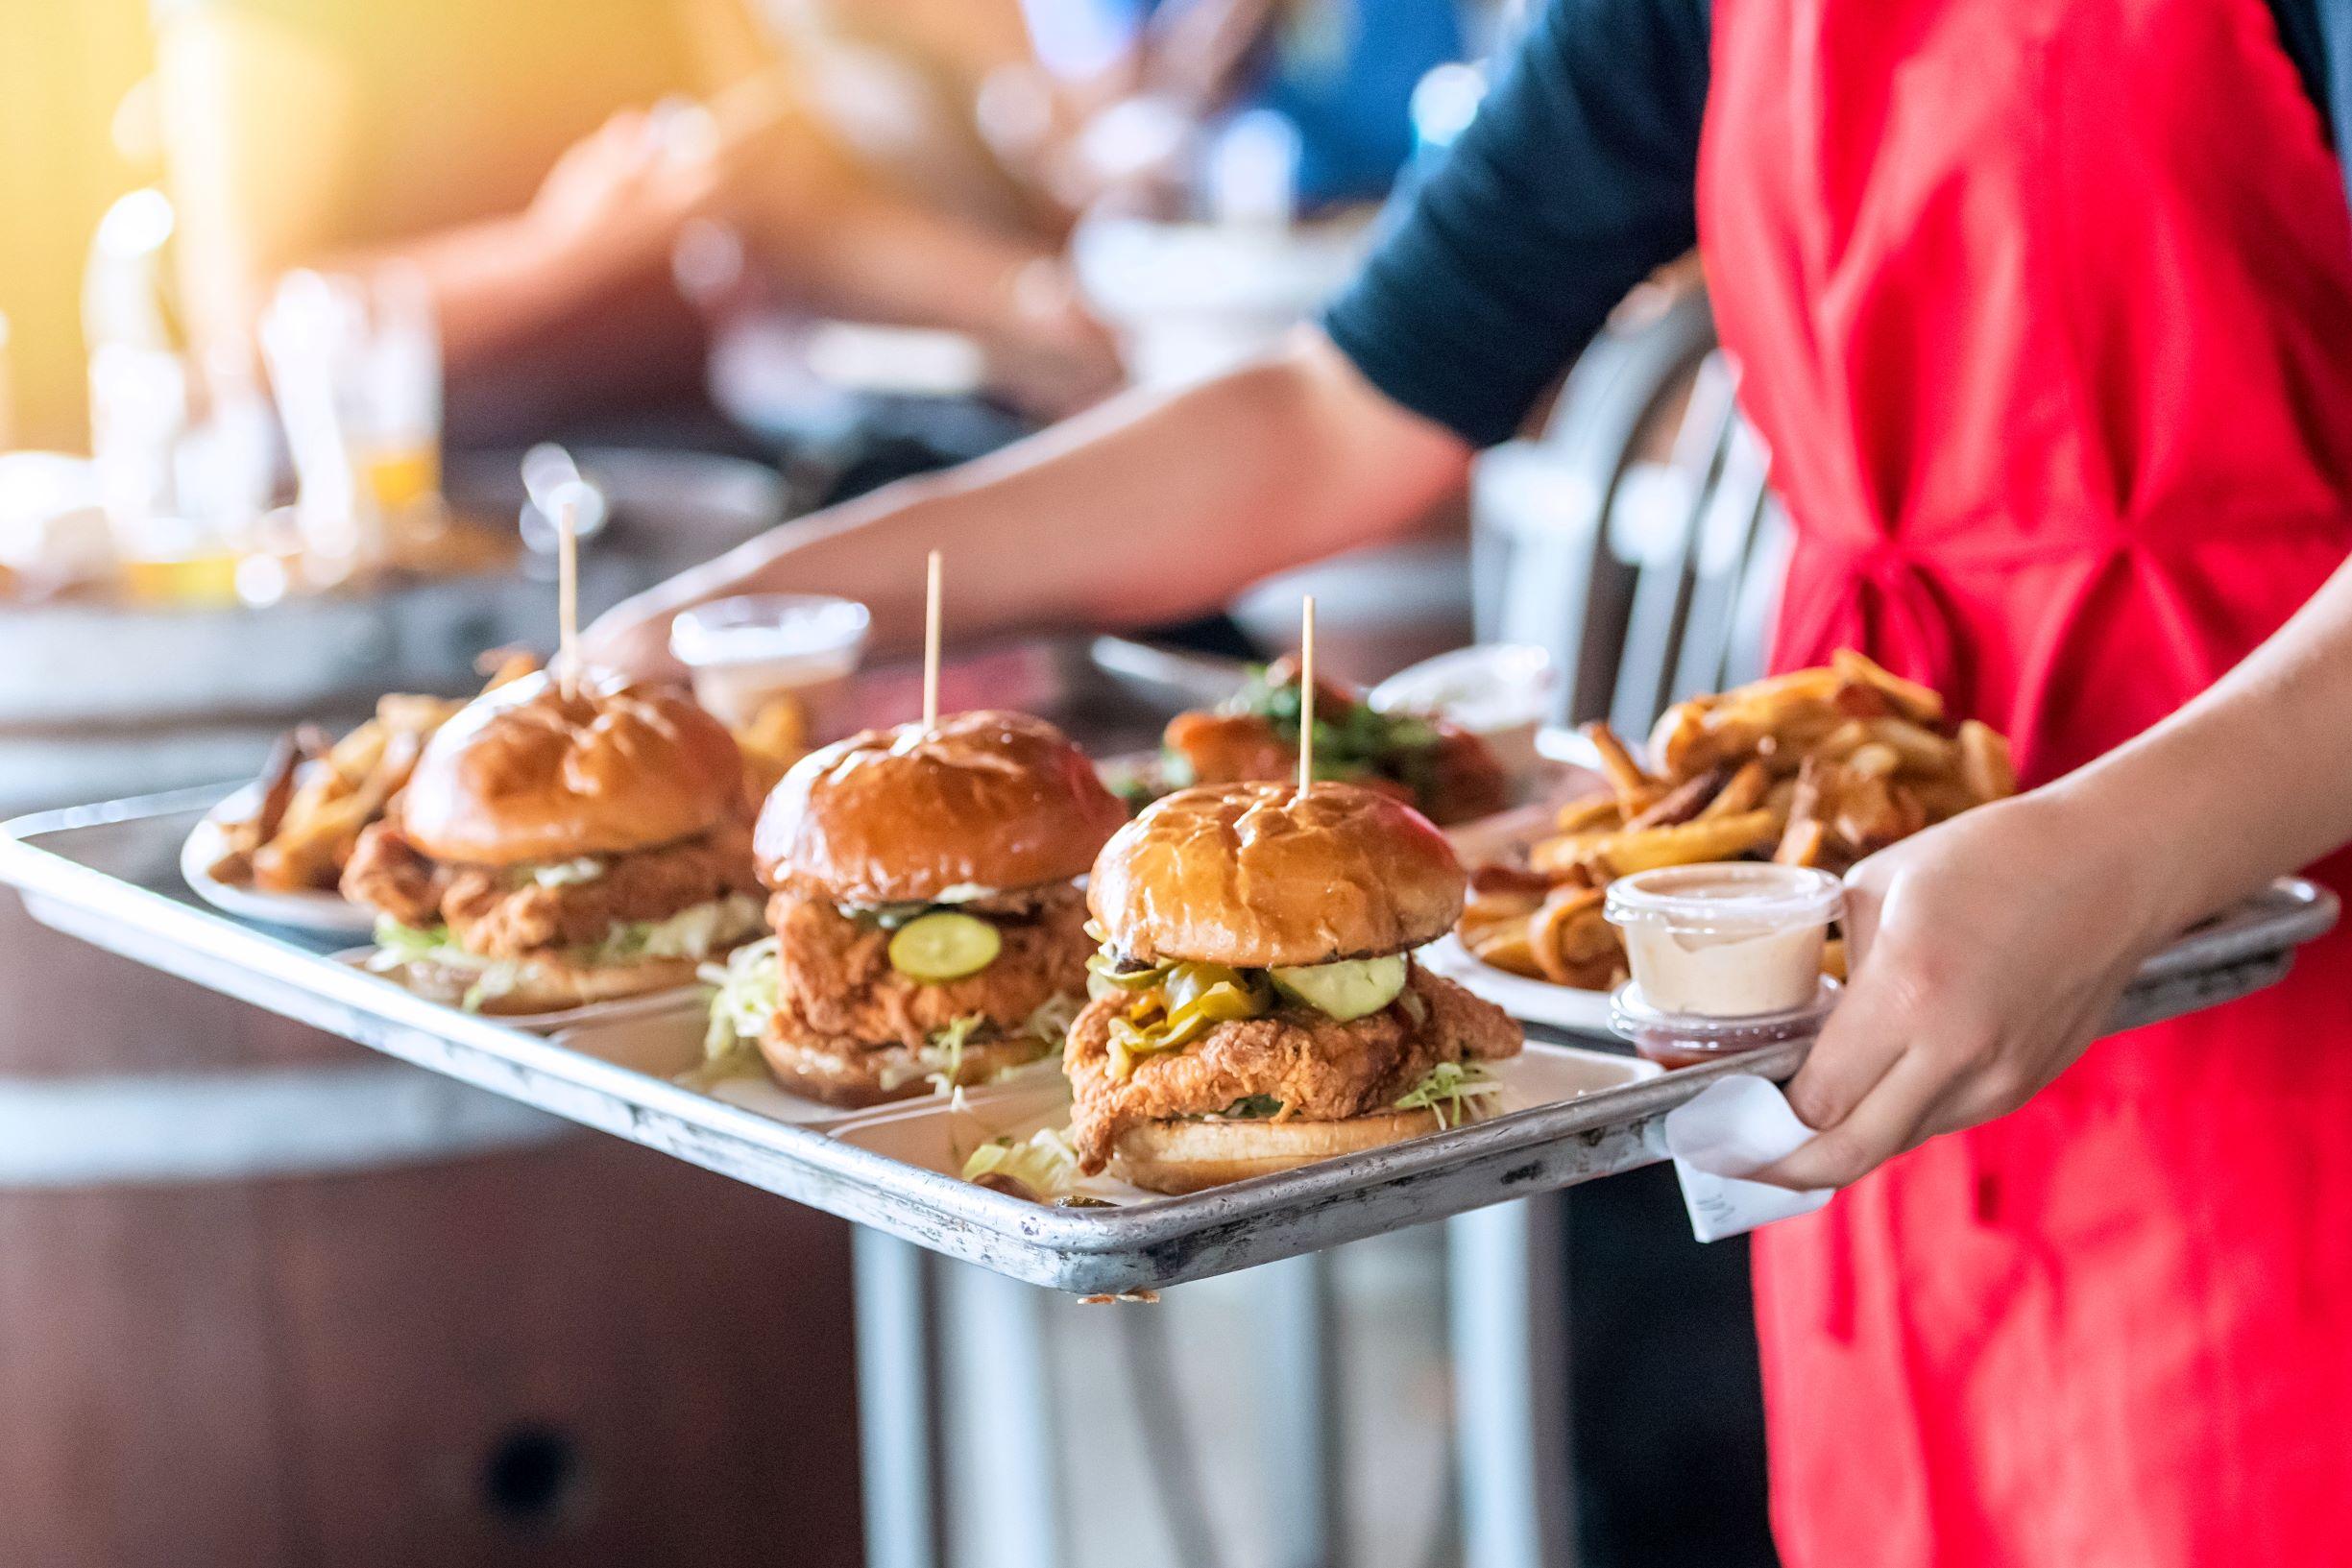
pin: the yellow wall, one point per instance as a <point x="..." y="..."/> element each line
<point x="64" y="67"/>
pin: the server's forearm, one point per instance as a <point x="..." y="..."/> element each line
<point x="1154" y="507"/>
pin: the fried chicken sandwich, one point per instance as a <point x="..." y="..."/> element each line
<point x="1258" y="1006"/>
<point x="554" y="847"/>
<point x="929" y="929"/>
<point x="1448" y="774"/>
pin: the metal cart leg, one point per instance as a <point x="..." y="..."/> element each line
<point x="999" y="1414"/>
<point x="894" y="1384"/>
<point x="1301" y="1421"/>
<point x="1507" y="1318"/>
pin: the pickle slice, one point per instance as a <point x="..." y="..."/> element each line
<point x="1350" y="990"/>
<point x="944" y="945"/>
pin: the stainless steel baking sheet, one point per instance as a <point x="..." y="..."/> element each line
<point x="109" y="874"/>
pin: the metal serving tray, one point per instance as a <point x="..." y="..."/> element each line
<point x="109" y="874"/>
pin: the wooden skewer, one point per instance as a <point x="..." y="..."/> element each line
<point x="568" y="591"/>
<point x="1306" y="692"/>
<point x="931" y="644"/>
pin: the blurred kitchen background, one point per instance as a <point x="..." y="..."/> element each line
<point x="288" y="290"/>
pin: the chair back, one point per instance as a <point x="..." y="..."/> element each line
<point x="1636" y="538"/>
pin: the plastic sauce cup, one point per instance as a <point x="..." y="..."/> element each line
<point x="1737" y="939"/>
<point x="746" y="654"/>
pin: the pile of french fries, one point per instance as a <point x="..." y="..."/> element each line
<point x="315" y="796"/>
<point x="1818" y="767"/>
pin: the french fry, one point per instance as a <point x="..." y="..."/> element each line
<point x="1874" y="760"/>
<point x="1942" y="799"/>
<point x="1717" y="839"/>
<point x="1984" y="762"/>
<point x="1856" y="701"/>
<point x="1872" y="813"/>
<point x="1817" y="684"/>
<point x="1843" y="741"/>
<point x="1833" y="959"/>
<point x="1743" y="791"/>
<point x="503" y="666"/>
<point x="1553" y="936"/>
<point x="1682" y="802"/>
<point x="1635" y="789"/>
<point x="1677" y="734"/>
<point x="1564" y="858"/>
<point x="1802" y="843"/>
<point x="1507" y="948"/>
<point x="1913" y="701"/>
<point x="1922" y="749"/>
<point x="1801" y="835"/>
<point x="1590" y="812"/>
<point x="1493" y="883"/>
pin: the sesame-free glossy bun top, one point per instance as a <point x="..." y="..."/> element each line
<point x="986" y="800"/>
<point x="1260" y="876"/>
<point x="525" y="773"/>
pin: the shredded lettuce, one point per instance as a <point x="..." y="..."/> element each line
<point x="946" y="1049"/>
<point x="1043" y="1162"/>
<point x="397" y="946"/>
<point x="741" y="1005"/>
<point x="696" y="931"/>
<point x="1450" y="1092"/>
<point x="1049" y="1024"/>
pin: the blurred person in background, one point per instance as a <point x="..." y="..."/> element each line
<point x="1109" y="115"/>
<point x="540" y="163"/>
<point x="2042" y="311"/>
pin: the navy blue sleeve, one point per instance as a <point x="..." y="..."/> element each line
<point x="2332" y="23"/>
<point x="1575" y="180"/>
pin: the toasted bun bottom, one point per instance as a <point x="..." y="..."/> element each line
<point x="842" y="1073"/>
<point x="547" y="985"/>
<point x="1178" y="1157"/>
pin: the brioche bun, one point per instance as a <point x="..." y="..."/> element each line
<point x="546" y="982"/>
<point x="525" y="773"/>
<point x="985" y="800"/>
<point x="1187" y="1157"/>
<point x="836" y="1073"/>
<point x="1264" y="875"/>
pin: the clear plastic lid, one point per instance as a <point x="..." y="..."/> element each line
<point x="1725" y="897"/>
<point x="770" y="628"/>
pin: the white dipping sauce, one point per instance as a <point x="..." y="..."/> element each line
<point x="1737" y="939"/>
<point x="746" y="653"/>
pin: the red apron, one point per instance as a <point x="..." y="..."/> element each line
<point x="2045" y="307"/>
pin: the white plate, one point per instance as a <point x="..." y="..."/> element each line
<point x="331" y="914"/>
<point x="1530" y="1001"/>
<point x="1503" y="839"/>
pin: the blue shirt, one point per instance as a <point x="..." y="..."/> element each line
<point x="1343" y="71"/>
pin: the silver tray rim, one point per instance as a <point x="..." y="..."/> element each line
<point x="1154" y="1243"/>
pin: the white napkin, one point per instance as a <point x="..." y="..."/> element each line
<point x="1734" y="1125"/>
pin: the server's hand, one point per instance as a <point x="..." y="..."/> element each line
<point x="1985" y="953"/>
